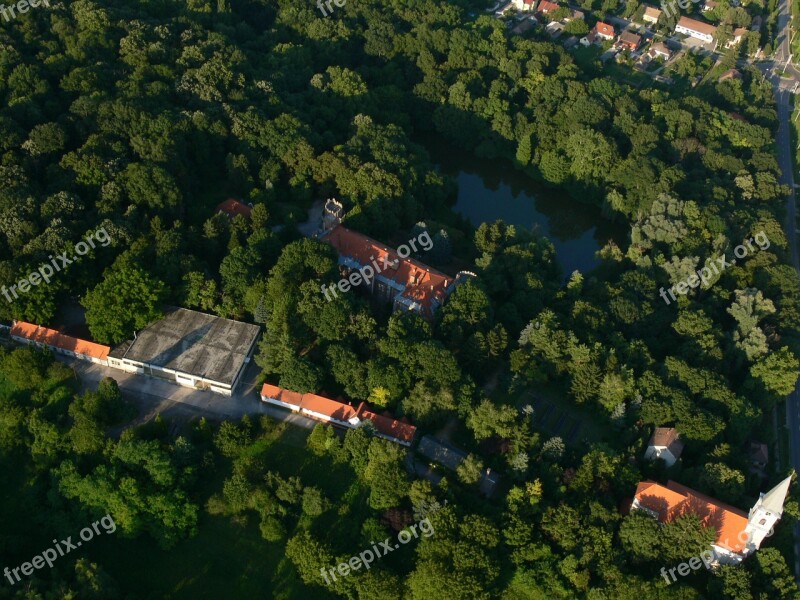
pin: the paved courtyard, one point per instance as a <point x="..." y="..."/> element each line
<point x="156" y="396"/>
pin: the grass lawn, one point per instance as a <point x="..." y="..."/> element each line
<point x="228" y="558"/>
<point x="590" y="428"/>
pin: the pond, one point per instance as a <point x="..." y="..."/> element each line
<point x="492" y="189"/>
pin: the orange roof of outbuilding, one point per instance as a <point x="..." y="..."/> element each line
<point x="342" y="412"/>
<point x="545" y="6"/>
<point x="676" y="500"/>
<point x="233" y="207"/>
<point x="51" y="337"/>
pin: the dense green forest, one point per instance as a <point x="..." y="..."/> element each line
<point x="142" y="118"/>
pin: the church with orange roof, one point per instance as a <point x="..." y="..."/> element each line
<point x="738" y="534"/>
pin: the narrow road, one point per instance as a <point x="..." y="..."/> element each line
<point x="784" y="88"/>
<point x="783" y="140"/>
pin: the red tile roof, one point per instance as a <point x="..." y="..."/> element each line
<point x="604" y="29"/>
<point x="545" y="6"/>
<point x="53" y="338"/>
<point x="697" y="26"/>
<point x="422" y="284"/>
<point x="341" y="412"/>
<point x="630" y="39"/>
<point x="667" y="437"/>
<point x="676" y="500"/>
<point x="233" y="207"/>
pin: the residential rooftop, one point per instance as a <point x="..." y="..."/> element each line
<point x="233" y="207"/>
<point x="695" y="25"/>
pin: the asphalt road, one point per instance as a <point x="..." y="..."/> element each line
<point x="784" y="143"/>
<point x="784" y="88"/>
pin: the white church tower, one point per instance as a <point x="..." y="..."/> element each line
<point x="765" y="515"/>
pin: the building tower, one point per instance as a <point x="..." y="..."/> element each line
<point x="765" y="514"/>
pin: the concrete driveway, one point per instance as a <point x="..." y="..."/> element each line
<point x="154" y="396"/>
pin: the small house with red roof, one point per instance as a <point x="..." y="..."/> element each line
<point x="546" y="7"/>
<point x="339" y="414"/>
<point x="233" y="207"/>
<point x="599" y="33"/>
<point x="665" y="444"/>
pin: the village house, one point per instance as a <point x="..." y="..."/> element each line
<point x="738" y="534"/>
<point x="526" y="24"/>
<point x="696" y="29"/>
<point x="524" y="5"/>
<point x="504" y="9"/>
<point x="664" y="444"/>
<point x="629" y="40"/>
<point x="338" y="414"/>
<point x="546" y="7"/>
<point x="738" y="36"/>
<point x="659" y="50"/>
<point x="651" y="15"/>
<point x="709" y="5"/>
<point x="599" y="33"/>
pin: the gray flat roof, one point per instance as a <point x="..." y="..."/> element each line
<point x="443" y="453"/>
<point x="195" y="343"/>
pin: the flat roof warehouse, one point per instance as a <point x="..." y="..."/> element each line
<point x="191" y="342"/>
<point x="187" y="347"/>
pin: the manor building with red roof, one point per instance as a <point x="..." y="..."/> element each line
<point x="404" y="281"/>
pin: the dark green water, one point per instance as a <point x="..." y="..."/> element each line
<point x="492" y="189"/>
